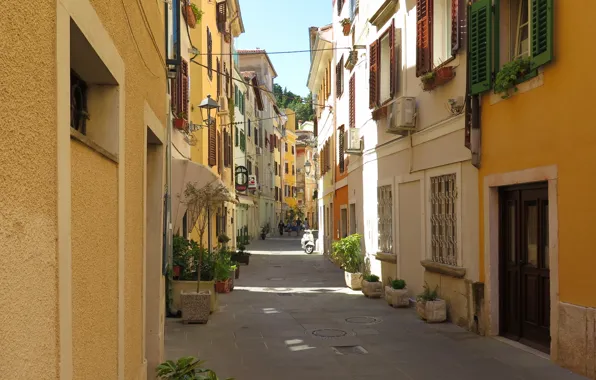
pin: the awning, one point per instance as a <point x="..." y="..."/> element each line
<point x="183" y="172"/>
<point x="244" y="200"/>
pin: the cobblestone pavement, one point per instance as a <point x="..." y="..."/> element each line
<point x="290" y="317"/>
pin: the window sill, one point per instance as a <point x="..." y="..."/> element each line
<point x="386" y="257"/>
<point x="528" y="84"/>
<point x="76" y="135"/>
<point x="448" y="270"/>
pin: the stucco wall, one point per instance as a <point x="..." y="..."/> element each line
<point x="547" y="125"/>
<point x="28" y="181"/>
<point x="94" y="263"/>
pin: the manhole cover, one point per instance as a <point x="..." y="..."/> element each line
<point x="364" y="320"/>
<point x="349" y="350"/>
<point x="329" y="333"/>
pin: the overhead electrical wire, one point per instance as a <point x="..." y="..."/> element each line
<point x="276" y="52"/>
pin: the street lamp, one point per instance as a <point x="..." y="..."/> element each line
<point x="307" y="167"/>
<point x="207" y="105"/>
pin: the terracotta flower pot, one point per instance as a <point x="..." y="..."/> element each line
<point x="180" y="124"/>
<point x="346" y="29"/>
<point x="443" y="75"/>
<point x="191" y="20"/>
<point x="176" y="271"/>
<point x="222" y="286"/>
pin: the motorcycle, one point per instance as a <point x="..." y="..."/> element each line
<point x="309" y="240"/>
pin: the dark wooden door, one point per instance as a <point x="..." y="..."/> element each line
<point x="524" y="263"/>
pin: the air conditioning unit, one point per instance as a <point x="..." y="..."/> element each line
<point x="354" y="142"/>
<point x="402" y="117"/>
<point x="259" y="150"/>
<point x="223" y="104"/>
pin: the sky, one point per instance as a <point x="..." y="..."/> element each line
<point x="282" y="25"/>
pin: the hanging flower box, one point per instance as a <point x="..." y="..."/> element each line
<point x="352" y="60"/>
<point x="190" y="17"/>
<point x="438" y="77"/>
<point x="346" y="24"/>
<point x="181" y="124"/>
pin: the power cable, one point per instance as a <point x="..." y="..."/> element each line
<point x="279" y="52"/>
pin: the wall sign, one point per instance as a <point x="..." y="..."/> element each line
<point x="252" y="182"/>
<point x="241" y="178"/>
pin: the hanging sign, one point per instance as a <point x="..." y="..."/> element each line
<point x="252" y="182"/>
<point x="241" y="178"/>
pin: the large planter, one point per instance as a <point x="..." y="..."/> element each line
<point x="191" y="286"/>
<point x="353" y="280"/>
<point x="397" y="297"/>
<point x="372" y="289"/>
<point x="231" y="279"/>
<point x="195" y="307"/>
<point x="241" y="259"/>
<point x="432" y="311"/>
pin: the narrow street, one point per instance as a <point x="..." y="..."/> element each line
<point x="291" y="317"/>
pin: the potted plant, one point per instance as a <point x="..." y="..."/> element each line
<point x="180" y="255"/>
<point x="510" y="74"/>
<point x="347" y="254"/>
<point x="186" y="368"/>
<point x="241" y="256"/>
<point x="429" y="307"/>
<point x="371" y="286"/>
<point x="428" y="81"/>
<point x="264" y="231"/>
<point x="222" y="271"/>
<point x="443" y="75"/>
<point x="346" y="24"/>
<point x="396" y="293"/>
<point x="180" y="122"/>
<point x="199" y="202"/>
<point x="192" y="14"/>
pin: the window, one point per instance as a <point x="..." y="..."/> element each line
<point x="293" y="170"/>
<point x="438" y="32"/>
<point x="236" y="96"/>
<point x="341" y="149"/>
<point x="221" y="16"/>
<point x="242" y="141"/>
<point x="78" y="103"/>
<point x="218" y="71"/>
<point x="249" y="167"/>
<point x="385" y="223"/>
<point x="209" y="55"/>
<point x="286" y="167"/>
<point x="339" y="78"/>
<point x="286" y="144"/>
<point x="294" y="191"/>
<point x="340" y="5"/>
<point x="522" y="29"/>
<point x="383" y="68"/>
<point x="293" y="150"/>
<point x="276" y="166"/>
<point x="353" y="101"/>
<point x="249" y="128"/>
<point x="443" y="219"/>
<point x="236" y="139"/>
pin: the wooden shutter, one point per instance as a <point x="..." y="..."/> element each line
<point x="229" y="149"/>
<point x="212" y="151"/>
<point x="457" y="19"/>
<point x="219" y="152"/>
<point x="341" y="149"/>
<point x="173" y="96"/>
<point x="218" y="71"/>
<point x="423" y="36"/>
<point x="480" y="46"/>
<point x="236" y="135"/>
<point x="353" y="101"/>
<point x="209" y="54"/>
<point x="185" y="89"/>
<point x="271" y="146"/>
<point x="392" y="61"/>
<point x="337" y="81"/>
<point x="542" y="32"/>
<point x="373" y="74"/>
<point x="221" y="16"/>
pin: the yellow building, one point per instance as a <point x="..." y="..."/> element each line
<point x="536" y="149"/>
<point x="289" y="161"/>
<point x="83" y="174"/>
<point x="211" y="75"/>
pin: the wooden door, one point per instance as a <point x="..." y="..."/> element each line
<point x="524" y="263"/>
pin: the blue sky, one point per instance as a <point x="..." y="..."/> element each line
<point x="281" y="25"/>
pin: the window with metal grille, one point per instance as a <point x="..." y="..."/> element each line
<point x="340" y="5"/>
<point x="78" y="103"/>
<point x="209" y="55"/>
<point x="443" y="219"/>
<point x="221" y="16"/>
<point x="385" y="218"/>
<point x="340" y="152"/>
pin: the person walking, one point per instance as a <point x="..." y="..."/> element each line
<point x="280" y="226"/>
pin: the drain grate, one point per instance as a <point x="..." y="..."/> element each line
<point x="364" y="320"/>
<point x="329" y="333"/>
<point x="284" y="294"/>
<point x="349" y="350"/>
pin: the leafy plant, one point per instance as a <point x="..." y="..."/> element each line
<point x="346" y="21"/>
<point x="427" y="294"/>
<point x="180" y="251"/>
<point x="197" y="12"/>
<point x="347" y="253"/>
<point x="371" y="278"/>
<point x="223" y="263"/>
<point x="509" y="75"/>
<point x="398" y="284"/>
<point x="186" y="368"/>
<point x="428" y="77"/>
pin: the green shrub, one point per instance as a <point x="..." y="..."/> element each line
<point x="347" y="253"/>
<point x="427" y="294"/>
<point x="398" y="284"/>
<point x="186" y="368"/>
<point x="371" y="278"/>
<point x="509" y="75"/>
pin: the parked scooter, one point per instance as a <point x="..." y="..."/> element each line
<point x="309" y="240"/>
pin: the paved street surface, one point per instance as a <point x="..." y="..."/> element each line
<point x="290" y="317"/>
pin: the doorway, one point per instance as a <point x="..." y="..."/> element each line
<point x="352" y="218"/>
<point x="524" y="274"/>
<point x="343" y="222"/>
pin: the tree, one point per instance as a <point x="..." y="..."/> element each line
<point x="287" y="99"/>
<point x="199" y="204"/>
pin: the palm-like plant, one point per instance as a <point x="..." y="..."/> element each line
<point x="186" y="368"/>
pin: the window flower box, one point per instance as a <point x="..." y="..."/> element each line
<point x="437" y="77"/>
<point x="346" y="24"/>
<point x="181" y="124"/>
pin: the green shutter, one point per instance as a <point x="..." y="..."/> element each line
<point x="236" y="139"/>
<point x="542" y="32"/>
<point x="235" y="94"/>
<point x="480" y="46"/>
